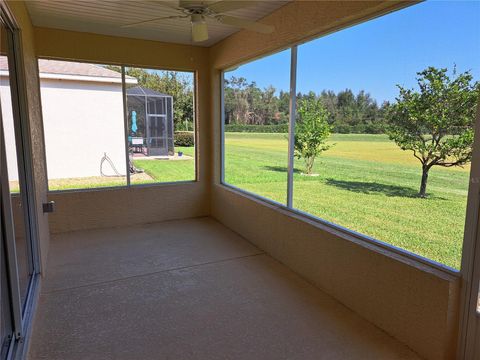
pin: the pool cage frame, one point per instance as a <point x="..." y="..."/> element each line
<point x="155" y="111"/>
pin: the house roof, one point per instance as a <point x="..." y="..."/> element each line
<point x="142" y="91"/>
<point x="75" y="68"/>
<point x="56" y="69"/>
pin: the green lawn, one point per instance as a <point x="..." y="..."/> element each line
<point x="365" y="183"/>
<point x="155" y="171"/>
<point x="167" y="170"/>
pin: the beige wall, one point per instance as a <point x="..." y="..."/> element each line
<point x="126" y="206"/>
<point x="415" y="303"/>
<point x="95" y="209"/>
<point x="30" y="70"/>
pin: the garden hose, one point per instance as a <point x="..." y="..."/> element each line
<point x="105" y="157"/>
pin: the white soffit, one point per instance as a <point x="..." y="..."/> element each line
<point x="107" y="16"/>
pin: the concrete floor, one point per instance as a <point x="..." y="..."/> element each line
<point x="189" y="289"/>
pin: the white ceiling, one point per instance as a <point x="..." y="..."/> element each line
<point x="107" y="16"/>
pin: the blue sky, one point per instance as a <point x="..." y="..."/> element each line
<point x="377" y="55"/>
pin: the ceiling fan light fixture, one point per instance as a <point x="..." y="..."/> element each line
<point x="214" y="10"/>
<point x="199" y="28"/>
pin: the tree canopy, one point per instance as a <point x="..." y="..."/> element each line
<point x="247" y="104"/>
<point x="174" y="83"/>
<point x="311" y="131"/>
<point x="436" y="121"/>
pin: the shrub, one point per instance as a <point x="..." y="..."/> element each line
<point x="371" y="128"/>
<point x="342" y="129"/>
<point x="359" y="129"/>
<point x="311" y="132"/>
<point x="184" y="138"/>
<point x="282" y="128"/>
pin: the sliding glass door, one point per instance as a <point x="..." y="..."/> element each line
<point x="17" y="257"/>
<point x="15" y="166"/>
<point x="6" y="315"/>
<point x="6" y="324"/>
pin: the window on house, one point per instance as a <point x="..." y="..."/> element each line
<point x="103" y="131"/>
<point x="83" y="122"/>
<point x="256" y="102"/>
<point x="161" y="125"/>
<point x="393" y="134"/>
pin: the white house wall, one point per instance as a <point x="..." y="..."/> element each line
<point x="82" y="121"/>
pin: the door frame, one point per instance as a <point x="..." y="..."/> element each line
<point x="153" y="118"/>
<point x="22" y="316"/>
<point x="3" y="239"/>
<point x="8" y="229"/>
<point x="23" y="135"/>
<point x="469" y="325"/>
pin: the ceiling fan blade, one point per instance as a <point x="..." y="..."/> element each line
<point x="225" y="6"/>
<point x="246" y="24"/>
<point x="152" y="20"/>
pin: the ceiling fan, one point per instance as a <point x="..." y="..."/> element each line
<point x="198" y="11"/>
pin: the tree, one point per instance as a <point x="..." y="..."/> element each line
<point x="330" y="101"/>
<point x="236" y="100"/>
<point x="174" y="83"/>
<point x="284" y="105"/>
<point x="311" y="131"/>
<point x="436" y="122"/>
<point x="247" y="104"/>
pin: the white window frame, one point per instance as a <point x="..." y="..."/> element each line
<point x="128" y="183"/>
<point x="469" y="333"/>
<point x="324" y="224"/>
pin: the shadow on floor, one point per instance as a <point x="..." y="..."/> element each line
<point x="374" y="187"/>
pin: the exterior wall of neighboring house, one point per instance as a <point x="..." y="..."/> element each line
<point x="86" y="115"/>
<point x="79" y="112"/>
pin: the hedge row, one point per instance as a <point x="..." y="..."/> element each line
<point x="283" y="128"/>
<point x="183" y="138"/>
<point x="359" y="129"/>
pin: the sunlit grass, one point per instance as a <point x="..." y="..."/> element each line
<point x="155" y="171"/>
<point x="168" y="170"/>
<point x="365" y="183"/>
<point x="92" y="182"/>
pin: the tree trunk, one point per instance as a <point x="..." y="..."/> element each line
<point x="309" y="165"/>
<point x="423" y="186"/>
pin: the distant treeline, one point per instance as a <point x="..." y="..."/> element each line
<point x="248" y="108"/>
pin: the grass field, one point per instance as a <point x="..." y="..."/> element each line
<point x="365" y="183"/>
<point x="155" y="171"/>
<point x="168" y="171"/>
